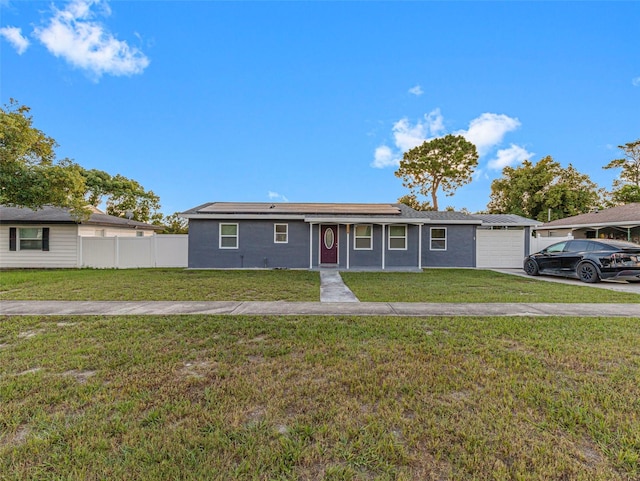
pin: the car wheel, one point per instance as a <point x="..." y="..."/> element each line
<point x="531" y="267"/>
<point x="587" y="272"/>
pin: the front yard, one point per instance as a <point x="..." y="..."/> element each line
<point x="432" y="285"/>
<point x="334" y="398"/>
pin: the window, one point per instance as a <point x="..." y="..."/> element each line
<point x="280" y="233"/>
<point x="29" y="238"/>
<point x="228" y="236"/>
<point x="397" y="237"/>
<point x="438" y="239"/>
<point x="363" y="237"/>
<point x="139" y="233"/>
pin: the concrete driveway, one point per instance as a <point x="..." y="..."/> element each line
<point x="620" y="286"/>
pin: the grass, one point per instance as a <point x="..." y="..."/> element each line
<point x="333" y="398"/>
<point x="434" y="285"/>
<point x="470" y="285"/>
<point x="159" y="284"/>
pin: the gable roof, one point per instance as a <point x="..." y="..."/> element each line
<point x="506" y="220"/>
<point x="57" y="215"/>
<point x="627" y="215"/>
<point x="325" y="212"/>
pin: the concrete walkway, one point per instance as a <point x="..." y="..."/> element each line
<point x="332" y="289"/>
<point x="119" y="308"/>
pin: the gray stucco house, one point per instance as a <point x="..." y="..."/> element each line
<point x="227" y="235"/>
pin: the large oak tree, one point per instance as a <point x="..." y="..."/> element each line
<point x="444" y="163"/>
<point x="626" y="188"/>
<point x="543" y="191"/>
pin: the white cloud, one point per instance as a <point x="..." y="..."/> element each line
<point x="636" y="82"/>
<point x="15" y="38"/>
<point x="384" y="157"/>
<point x="417" y="90"/>
<point x="276" y="196"/>
<point x="509" y="157"/>
<point x="488" y="130"/>
<point x="74" y="35"/>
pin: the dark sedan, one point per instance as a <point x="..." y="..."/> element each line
<point x="589" y="260"/>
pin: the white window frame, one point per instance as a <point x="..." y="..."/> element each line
<point x="356" y="237"/>
<point x="227" y="236"/>
<point x="276" y="233"/>
<point x="39" y="238"/>
<point x="405" y="237"/>
<point x="431" y="238"/>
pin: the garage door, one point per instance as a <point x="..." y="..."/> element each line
<point x="499" y="248"/>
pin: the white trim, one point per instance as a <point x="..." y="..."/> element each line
<point x="236" y="236"/>
<point x="356" y="237"/>
<point x="446" y="236"/>
<point x="405" y="237"/>
<point x="275" y="233"/>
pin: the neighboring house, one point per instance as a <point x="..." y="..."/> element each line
<point x="50" y="237"/>
<point x="227" y="235"/>
<point x="503" y="240"/>
<point x="621" y="222"/>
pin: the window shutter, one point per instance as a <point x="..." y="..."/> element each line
<point x="12" y="238"/>
<point x="45" y="238"/>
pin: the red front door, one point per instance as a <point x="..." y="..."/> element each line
<point x="329" y="244"/>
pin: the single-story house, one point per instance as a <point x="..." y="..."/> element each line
<point x="236" y="235"/>
<point x="50" y="237"/>
<point x="621" y="222"/>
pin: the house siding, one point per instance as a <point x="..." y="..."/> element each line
<point x="256" y="246"/>
<point x="105" y="231"/>
<point x="461" y="247"/>
<point x="62" y="253"/>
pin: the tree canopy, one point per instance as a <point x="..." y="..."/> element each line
<point x="30" y="175"/>
<point x="444" y="163"/>
<point x="626" y="188"/>
<point x="543" y="191"/>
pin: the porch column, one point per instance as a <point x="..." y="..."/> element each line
<point x="310" y="245"/>
<point x="420" y="246"/>
<point x="348" y="243"/>
<point x="383" y="244"/>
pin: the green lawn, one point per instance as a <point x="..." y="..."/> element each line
<point x="470" y="285"/>
<point x="434" y="285"/>
<point x="159" y="285"/>
<point x="334" y="398"/>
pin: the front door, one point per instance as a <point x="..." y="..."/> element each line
<point x="329" y="244"/>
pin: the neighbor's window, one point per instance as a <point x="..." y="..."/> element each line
<point x="31" y="239"/>
<point x="281" y="233"/>
<point x="228" y="236"/>
<point x="438" y="238"/>
<point x="363" y="237"/>
<point x="139" y="233"/>
<point x="397" y="237"/>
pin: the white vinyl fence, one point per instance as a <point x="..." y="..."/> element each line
<point x="131" y="252"/>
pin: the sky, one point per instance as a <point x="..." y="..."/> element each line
<point x="316" y="101"/>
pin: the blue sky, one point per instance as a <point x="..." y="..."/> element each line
<point x="315" y="101"/>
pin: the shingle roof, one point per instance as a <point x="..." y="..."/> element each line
<point x="505" y="220"/>
<point x="335" y="210"/>
<point x="56" y="215"/>
<point x="627" y="214"/>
